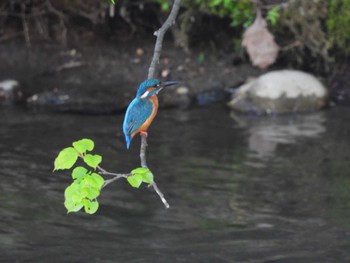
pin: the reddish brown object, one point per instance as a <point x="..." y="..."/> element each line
<point x="260" y="43"/>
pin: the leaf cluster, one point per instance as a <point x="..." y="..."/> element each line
<point x="84" y="190"/>
<point x="140" y="175"/>
<point x="87" y="183"/>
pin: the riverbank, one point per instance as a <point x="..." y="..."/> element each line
<point x="102" y="77"/>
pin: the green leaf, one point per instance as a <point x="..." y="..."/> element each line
<point x="74" y="193"/>
<point x="84" y="145"/>
<point x="72" y="206"/>
<point x="273" y="15"/>
<point x="66" y="159"/>
<point x="73" y="198"/>
<point x="145" y="173"/>
<point x="135" y="180"/>
<point x="79" y="173"/>
<point x="89" y="182"/>
<point x="98" y="179"/>
<point x="90" y="207"/>
<point x="214" y="3"/>
<point x="70" y="190"/>
<point x="147" y="177"/>
<point x="93" y="160"/>
<point x="140" y="170"/>
<point x="93" y="193"/>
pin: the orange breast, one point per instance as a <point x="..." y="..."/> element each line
<point x="147" y="123"/>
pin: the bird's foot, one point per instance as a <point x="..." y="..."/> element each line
<point x="143" y="133"/>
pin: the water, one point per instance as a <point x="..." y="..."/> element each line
<point x="241" y="189"/>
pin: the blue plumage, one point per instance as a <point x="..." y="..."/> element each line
<point x="145" y="85"/>
<point x="143" y="108"/>
<point x="137" y="113"/>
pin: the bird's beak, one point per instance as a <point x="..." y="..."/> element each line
<point x="166" y="84"/>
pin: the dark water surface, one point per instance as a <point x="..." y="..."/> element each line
<point x="241" y="189"/>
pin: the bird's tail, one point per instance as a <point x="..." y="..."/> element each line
<point x="128" y="140"/>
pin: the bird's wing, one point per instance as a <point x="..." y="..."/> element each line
<point x="137" y="113"/>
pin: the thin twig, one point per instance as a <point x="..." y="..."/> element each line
<point x="160" y="35"/>
<point x="7" y="37"/>
<point x="160" y="194"/>
<point x="61" y="18"/>
<point x="115" y="178"/>
<point x="25" y="25"/>
<point x="144" y="165"/>
<point x="104" y="172"/>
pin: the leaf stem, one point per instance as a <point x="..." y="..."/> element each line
<point x="115" y="178"/>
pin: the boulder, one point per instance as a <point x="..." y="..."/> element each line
<point x="282" y="91"/>
<point x="9" y="92"/>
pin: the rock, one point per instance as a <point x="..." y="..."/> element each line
<point x="212" y="95"/>
<point x="281" y="91"/>
<point x="71" y="101"/>
<point x="175" y="97"/>
<point x="10" y="92"/>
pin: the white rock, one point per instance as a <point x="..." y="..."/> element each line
<point x="291" y="83"/>
<point x="281" y="92"/>
<point x="8" y="84"/>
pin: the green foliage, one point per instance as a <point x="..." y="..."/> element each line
<point x="164" y="5"/>
<point x="140" y="175"/>
<point x="200" y="58"/>
<point x="66" y="159"/>
<point x="241" y="12"/>
<point x="87" y="184"/>
<point x="84" y="145"/>
<point x="273" y="15"/>
<point x="92" y="160"/>
<point x="338" y="24"/>
<point x="84" y="190"/>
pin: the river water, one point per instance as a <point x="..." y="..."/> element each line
<point x="241" y="189"/>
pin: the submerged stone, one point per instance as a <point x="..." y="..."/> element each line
<point x="282" y="91"/>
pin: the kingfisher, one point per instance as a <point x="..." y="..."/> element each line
<point x="143" y="108"/>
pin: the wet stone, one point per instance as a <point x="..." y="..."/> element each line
<point x="282" y="91"/>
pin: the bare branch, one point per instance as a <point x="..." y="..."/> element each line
<point x="115" y="178"/>
<point x="25" y="25"/>
<point x="156" y="55"/>
<point x="160" y="35"/>
<point x="160" y="194"/>
<point x="143" y="150"/>
<point x="61" y="17"/>
<point x="144" y="165"/>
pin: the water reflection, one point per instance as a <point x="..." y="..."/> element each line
<point x="267" y="132"/>
<point x="294" y="208"/>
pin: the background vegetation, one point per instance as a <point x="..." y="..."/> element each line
<point x="311" y="33"/>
